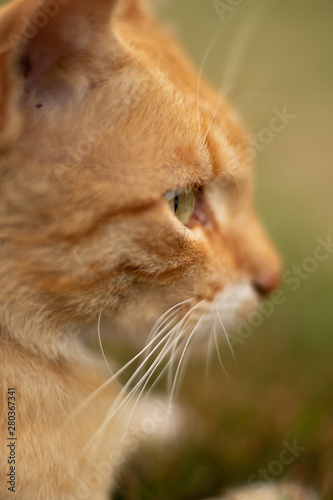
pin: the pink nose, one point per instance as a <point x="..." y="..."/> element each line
<point x="266" y="283"/>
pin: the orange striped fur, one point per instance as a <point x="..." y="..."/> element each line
<point x="99" y="119"/>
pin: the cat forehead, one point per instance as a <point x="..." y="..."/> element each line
<point x="202" y="127"/>
<point x="166" y="133"/>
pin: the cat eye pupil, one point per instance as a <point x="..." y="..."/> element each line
<point x="176" y="202"/>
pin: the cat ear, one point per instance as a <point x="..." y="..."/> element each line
<point x="44" y="44"/>
<point x="10" y="120"/>
<point x="39" y="20"/>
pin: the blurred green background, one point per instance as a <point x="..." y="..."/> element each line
<point x="265" y="55"/>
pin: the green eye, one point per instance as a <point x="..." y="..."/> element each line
<point x="182" y="204"/>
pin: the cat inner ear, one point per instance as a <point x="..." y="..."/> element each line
<point x="58" y="43"/>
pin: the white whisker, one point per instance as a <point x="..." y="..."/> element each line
<point x="165" y="317"/>
<point x="189" y="316"/>
<point x="182" y="358"/>
<point x="241" y="47"/>
<point x="157" y="364"/>
<point x="219" y="357"/>
<point x="146" y="377"/>
<point x="209" y="354"/>
<point x="236" y="57"/>
<point x="168" y="318"/>
<point x="117" y="374"/>
<point x="166" y="349"/>
<point x="101" y="345"/>
<point x="226" y="336"/>
<point x="144" y="380"/>
<point x="202" y="66"/>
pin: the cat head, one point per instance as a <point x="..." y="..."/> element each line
<point x="126" y="180"/>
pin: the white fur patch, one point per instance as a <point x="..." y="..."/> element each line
<point x="230" y="308"/>
<point x="272" y="492"/>
<point x="235" y="303"/>
<point x="162" y="419"/>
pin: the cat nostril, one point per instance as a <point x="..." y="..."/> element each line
<point x="265" y="285"/>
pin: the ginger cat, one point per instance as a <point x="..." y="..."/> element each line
<point x="124" y="192"/>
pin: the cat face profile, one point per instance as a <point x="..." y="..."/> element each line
<point x="126" y="193"/>
<point x="126" y="182"/>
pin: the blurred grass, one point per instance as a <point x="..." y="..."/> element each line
<point x="283" y="385"/>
